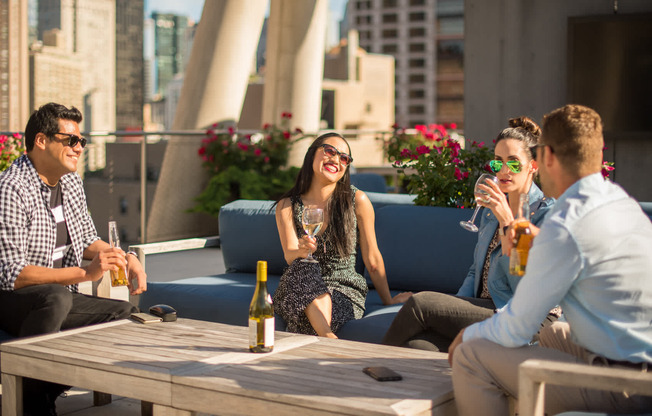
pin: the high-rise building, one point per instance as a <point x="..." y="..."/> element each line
<point x="170" y="43"/>
<point x="14" y="85"/>
<point x="55" y="74"/>
<point x="426" y="37"/>
<point x="89" y="30"/>
<point x="130" y="69"/>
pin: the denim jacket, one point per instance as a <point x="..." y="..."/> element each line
<point x="500" y="282"/>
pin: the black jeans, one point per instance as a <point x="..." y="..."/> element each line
<point x="431" y="320"/>
<point x="44" y="309"/>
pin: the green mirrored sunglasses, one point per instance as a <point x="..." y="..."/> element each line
<point x="513" y="165"/>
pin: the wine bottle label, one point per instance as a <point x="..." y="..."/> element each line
<point x="269" y="332"/>
<point x="253" y="333"/>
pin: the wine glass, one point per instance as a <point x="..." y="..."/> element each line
<point x="312" y="220"/>
<point x="478" y="192"/>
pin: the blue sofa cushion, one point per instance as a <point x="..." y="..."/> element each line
<point x="369" y="182"/>
<point x="223" y="298"/>
<point x="248" y="233"/>
<point x="428" y="248"/>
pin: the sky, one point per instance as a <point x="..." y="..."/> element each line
<point x="193" y="8"/>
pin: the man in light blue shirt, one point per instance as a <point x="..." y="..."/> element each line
<point x="592" y="256"/>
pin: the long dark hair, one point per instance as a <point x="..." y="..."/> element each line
<point x="339" y="207"/>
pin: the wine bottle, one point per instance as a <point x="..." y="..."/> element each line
<point x="522" y="239"/>
<point x="261" y="314"/>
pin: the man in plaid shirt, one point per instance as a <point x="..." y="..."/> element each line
<point x="45" y="232"/>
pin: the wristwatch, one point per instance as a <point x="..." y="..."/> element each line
<point x="133" y="253"/>
<point x="502" y="230"/>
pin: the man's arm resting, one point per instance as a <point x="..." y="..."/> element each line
<point x="38" y="275"/>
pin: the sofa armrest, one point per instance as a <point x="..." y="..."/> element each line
<point x="533" y="375"/>
<point x="142" y="250"/>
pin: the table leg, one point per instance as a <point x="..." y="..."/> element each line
<point x="101" y="399"/>
<point x="12" y="395"/>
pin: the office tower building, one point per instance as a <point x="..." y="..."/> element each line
<point x="88" y="28"/>
<point x="14" y="96"/>
<point x="426" y="37"/>
<point x="55" y="74"/>
<point x="169" y="48"/>
<point x="130" y="69"/>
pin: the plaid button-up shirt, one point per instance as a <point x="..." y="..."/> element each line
<point x="28" y="230"/>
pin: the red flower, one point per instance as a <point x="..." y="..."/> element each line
<point x="201" y="150"/>
<point x="421" y="128"/>
<point x="298" y="131"/>
<point x="423" y="150"/>
<point x="406" y="153"/>
<point x="458" y="173"/>
<point x="266" y="159"/>
<point x="286" y="134"/>
<point x="453" y="126"/>
<point x="287" y="115"/>
<point x="257" y="152"/>
<point x="266" y="126"/>
<point x="231" y="130"/>
<point x="243" y="147"/>
<point x="465" y="175"/>
<point x="395" y="126"/>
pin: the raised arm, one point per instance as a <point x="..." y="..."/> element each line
<point x="293" y="247"/>
<point x="371" y="256"/>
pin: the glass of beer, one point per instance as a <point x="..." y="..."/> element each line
<point x="118" y="277"/>
<point x="522" y="239"/>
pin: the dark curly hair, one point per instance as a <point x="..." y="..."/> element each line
<point x="46" y="120"/>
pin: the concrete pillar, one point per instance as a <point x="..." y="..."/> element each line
<point x="14" y="65"/>
<point x="295" y="65"/>
<point x="213" y="91"/>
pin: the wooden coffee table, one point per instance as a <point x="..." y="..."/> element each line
<point x="197" y="366"/>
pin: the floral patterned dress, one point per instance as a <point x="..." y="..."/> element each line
<point x="302" y="282"/>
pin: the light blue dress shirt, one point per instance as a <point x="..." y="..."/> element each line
<point x="593" y="256"/>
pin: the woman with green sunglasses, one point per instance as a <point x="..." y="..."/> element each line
<point x="431" y="320"/>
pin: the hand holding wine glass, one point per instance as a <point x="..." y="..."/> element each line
<point x="480" y="194"/>
<point x="312" y="220"/>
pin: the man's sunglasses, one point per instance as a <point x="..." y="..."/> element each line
<point x="513" y="165"/>
<point x="73" y="140"/>
<point x="331" y="151"/>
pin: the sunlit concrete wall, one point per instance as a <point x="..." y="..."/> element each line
<point x="516" y="63"/>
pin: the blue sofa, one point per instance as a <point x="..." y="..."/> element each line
<point x="424" y="248"/>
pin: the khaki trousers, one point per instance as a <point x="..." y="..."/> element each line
<point x="485" y="374"/>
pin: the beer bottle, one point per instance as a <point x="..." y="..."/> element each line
<point x="522" y="238"/>
<point x="261" y="314"/>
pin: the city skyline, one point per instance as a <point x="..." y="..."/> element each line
<point x="193" y="8"/>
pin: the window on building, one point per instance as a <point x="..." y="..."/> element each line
<point x="390" y="48"/>
<point x="417" y="17"/>
<point x="417" y="93"/>
<point x="124" y="205"/>
<point x="390" y="33"/>
<point x="389" y="3"/>
<point x="417" y="63"/>
<point x="365" y="35"/>
<point x="390" y="18"/>
<point x="417" y="47"/>
<point x="416" y="78"/>
<point x="416" y="32"/>
<point x="416" y="109"/>
<point x="417" y="2"/>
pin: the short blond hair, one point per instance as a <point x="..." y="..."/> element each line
<point x="574" y="132"/>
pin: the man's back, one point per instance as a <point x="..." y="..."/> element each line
<point x="609" y="304"/>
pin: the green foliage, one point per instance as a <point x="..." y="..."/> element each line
<point x="435" y="167"/>
<point x="246" y="166"/>
<point x="11" y="148"/>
